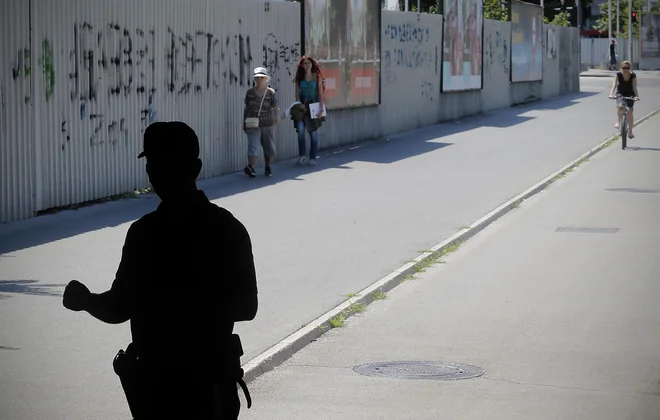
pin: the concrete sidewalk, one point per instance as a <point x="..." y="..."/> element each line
<point x="319" y="234"/>
<point x="563" y="325"/>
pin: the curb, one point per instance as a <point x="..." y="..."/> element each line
<point x="597" y="75"/>
<point x="280" y="352"/>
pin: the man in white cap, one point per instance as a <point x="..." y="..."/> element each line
<point x="260" y="116"/>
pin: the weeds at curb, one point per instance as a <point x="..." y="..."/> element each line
<point x="408" y="277"/>
<point x="352" y="295"/>
<point x="451" y="248"/>
<point x="356" y="308"/>
<point x="378" y="296"/>
<point x="338" y="321"/>
<point x="464" y="227"/>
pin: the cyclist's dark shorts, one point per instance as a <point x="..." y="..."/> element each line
<point x="619" y="102"/>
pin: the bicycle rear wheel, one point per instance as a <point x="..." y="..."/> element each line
<point x="624" y="130"/>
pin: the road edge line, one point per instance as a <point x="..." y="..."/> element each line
<point x="283" y="350"/>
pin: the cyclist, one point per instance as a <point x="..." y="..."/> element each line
<point x="625" y="84"/>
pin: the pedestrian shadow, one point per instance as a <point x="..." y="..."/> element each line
<point x="28" y="287"/>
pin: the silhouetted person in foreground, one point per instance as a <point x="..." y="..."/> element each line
<point x="186" y="275"/>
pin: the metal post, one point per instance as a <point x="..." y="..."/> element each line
<point x="630" y="24"/>
<point x="617" y="17"/>
<point x="609" y="20"/>
<point x="578" y="16"/>
<point x="419" y="6"/>
<point x="406" y="5"/>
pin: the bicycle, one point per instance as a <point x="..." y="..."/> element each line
<point x="623" y="122"/>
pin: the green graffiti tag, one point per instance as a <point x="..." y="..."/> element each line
<point x="28" y="62"/>
<point x="49" y="68"/>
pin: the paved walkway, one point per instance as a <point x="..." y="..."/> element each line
<point x="564" y="325"/>
<point x="319" y="234"/>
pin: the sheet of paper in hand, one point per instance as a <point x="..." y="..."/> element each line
<point x="315" y="108"/>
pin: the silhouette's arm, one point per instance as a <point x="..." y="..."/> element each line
<point x="244" y="303"/>
<point x="105" y="308"/>
<point x="113" y="306"/>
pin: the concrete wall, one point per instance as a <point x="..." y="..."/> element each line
<point x="81" y="87"/>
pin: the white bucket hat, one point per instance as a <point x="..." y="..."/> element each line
<point x="261" y="72"/>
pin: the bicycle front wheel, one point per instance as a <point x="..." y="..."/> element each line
<point x="624" y="130"/>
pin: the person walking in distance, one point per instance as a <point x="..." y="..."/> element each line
<point x="613" y="54"/>
<point x="260" y="116"/>
<point x="625" y="85"/>
<point x="185" y="277"/>
<point x="309" y="89"/>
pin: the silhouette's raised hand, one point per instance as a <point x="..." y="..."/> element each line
<point x="76" y="296"/>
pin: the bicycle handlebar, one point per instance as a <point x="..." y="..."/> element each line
<point x="632" y="98"/>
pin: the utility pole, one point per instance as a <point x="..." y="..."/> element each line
<point x="609" y="20"/>
<point x="419" y="6"/>
<point x="617" y="17"/>
<point x="630" y="25"/>
<point x="406" y="5"/>
<point x="579" y="16"/>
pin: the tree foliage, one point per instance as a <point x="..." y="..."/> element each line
<point x="624" y="17"/>
<point x="560" y="19"/>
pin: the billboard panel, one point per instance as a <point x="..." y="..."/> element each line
<point x="344" y="37"/>
<point x="526" y="42"/>
<point x="649" y="38"/>
<point x="462" y="56"/>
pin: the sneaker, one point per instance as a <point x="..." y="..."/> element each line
<point x="312" y="162"/>
<point x="302" y="160"/>
<point x="249" y="171"/>
<point x="616" y="125"/>
<point x="631" y="136"/>
<point x="268" y="171"/>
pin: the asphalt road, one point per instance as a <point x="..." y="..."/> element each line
<point x="564" y="325"/>
<point x="318" y="235"/>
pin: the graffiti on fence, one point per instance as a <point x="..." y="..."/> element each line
<point x="277" y="56"/>
<point x="496" y="53"/>
<point x="408" y="46"/>
<point x="111" y="61"/>
<point x="48" y="68"/>
<point x="428" y="90"/>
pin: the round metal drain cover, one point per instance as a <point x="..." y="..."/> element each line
<point x="435" y="371"/>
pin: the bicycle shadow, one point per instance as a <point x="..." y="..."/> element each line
<point x="640" y="149"/>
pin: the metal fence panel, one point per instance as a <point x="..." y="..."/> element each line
<point x="17" y="73"/>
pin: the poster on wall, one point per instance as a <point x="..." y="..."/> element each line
<point x="526" y="42"/>
<point x="462" y="56"/>
<point x="551" y="44"/>
<point x="649" y="38"/>
<point x="344" y="37"/>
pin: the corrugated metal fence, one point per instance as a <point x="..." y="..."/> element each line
<point x="102" y="71"/>
<point x="84" y="80"/>
<point x="596" y="51"/>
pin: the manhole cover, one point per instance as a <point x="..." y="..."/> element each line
<point x="586" y="230"/>
<point x="436" y="371"/>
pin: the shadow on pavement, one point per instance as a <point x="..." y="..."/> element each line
<point x="560" y="102"/>
<point x="633" y="148"/>
<point x="28" y="287"/>
<point x="68" y="223"/>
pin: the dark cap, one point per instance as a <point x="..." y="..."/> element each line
<point x="170" y="139"/>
